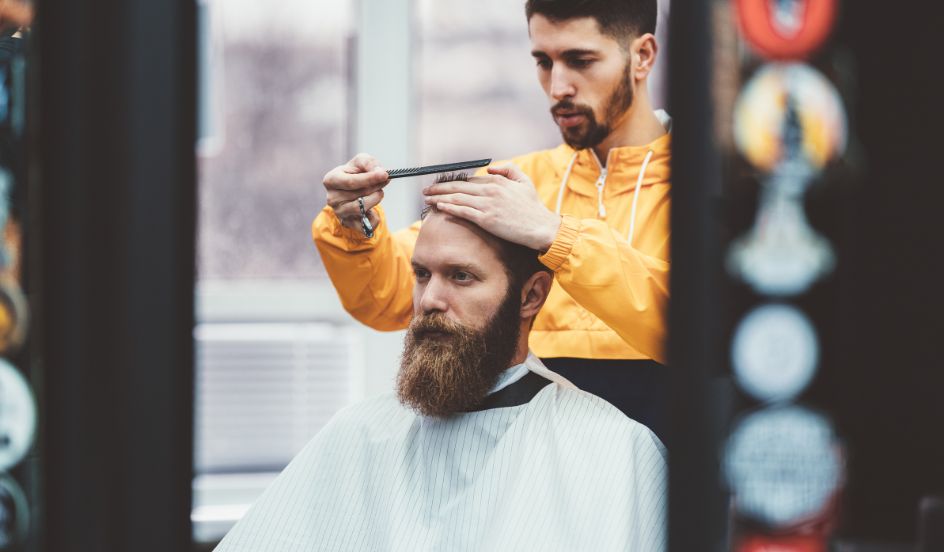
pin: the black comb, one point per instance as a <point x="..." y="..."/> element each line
<point x="430" y="169"/>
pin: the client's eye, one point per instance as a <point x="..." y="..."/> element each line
<point x="461" y="276"/>
<point x="421" y="273"/>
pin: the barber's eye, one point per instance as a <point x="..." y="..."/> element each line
<point x="462" y="276"/>
<point x="580" y="63"/>
<point x="421" y="273"/>
<point x="544" y="63"/>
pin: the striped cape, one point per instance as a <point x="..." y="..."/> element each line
<point x="564" y="471"/>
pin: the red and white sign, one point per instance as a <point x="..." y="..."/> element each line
<point x="785" y="29"/>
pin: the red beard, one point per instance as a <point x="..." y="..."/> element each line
<point x="448" y="368"/>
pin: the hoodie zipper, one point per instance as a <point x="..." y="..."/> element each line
<point x="601" y="182"/>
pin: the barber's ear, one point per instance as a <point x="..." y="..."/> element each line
<point x="644" y="51"/>
<point x="534" y="292"/>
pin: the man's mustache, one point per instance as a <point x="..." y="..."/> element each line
<point x="569" y="107"/>
<point x="422" y="326"/>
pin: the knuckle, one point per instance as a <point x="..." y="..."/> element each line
<point x="330" y="179"/>
<point x="363" y="160"/>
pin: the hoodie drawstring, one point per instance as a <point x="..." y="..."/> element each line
<point x="632" y="214"/>
<point x="560" y="192"/>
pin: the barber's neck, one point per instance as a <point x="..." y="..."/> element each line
<point x="638" y="126"/>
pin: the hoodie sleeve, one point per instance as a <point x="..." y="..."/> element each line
<point x="372" y="276"/>
<point x="621" y="286"/>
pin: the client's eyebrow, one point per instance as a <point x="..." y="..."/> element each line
<point x="467" y="267"/>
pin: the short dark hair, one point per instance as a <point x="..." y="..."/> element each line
<point x="616" y="18"/>
<point x="520" y="262"/>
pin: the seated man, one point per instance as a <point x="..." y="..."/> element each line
<point x="482" y="448"/>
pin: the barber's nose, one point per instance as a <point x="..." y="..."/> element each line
<point x="562" y="85"/>
<point x="432" y="297"/>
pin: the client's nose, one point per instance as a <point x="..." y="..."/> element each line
<point x="433" y="297"/>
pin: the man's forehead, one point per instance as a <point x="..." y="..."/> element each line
<point x="445" y="238"/>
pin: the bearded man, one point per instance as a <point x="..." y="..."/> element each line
<point x="594" y="209"/>
<point x="481" y="447"/>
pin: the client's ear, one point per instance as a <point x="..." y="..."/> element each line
<point x="534" y="292"/>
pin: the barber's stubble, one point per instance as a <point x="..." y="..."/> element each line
<point x="454" y="371"/>
<point x="591" y="133"/>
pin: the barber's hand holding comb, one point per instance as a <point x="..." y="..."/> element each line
<point x="361" y="178"/>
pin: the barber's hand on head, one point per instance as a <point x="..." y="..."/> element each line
<point x="361" y="177"/>
<point x="503" y="203"/>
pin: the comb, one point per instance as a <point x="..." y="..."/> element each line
<point x="430" y="169"/>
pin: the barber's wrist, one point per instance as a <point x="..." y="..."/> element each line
<point x="550" y="233"/>
<point x="352" y="228"/>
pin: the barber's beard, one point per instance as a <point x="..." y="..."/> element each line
<point x="441" y="375"/>
<point x="591" y="132"/>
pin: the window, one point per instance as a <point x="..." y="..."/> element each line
<point x="278" y="84"/>
<point x="274" y="358"/>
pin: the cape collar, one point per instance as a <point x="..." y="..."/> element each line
<point x="520" y="383"/>
<point x="517" y="393"/>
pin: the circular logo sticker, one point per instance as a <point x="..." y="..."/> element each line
<point x="789" y="114"/>
<point x="17" y="416"/>
<point x="783" y="465"/>
<point x="774" y="353"/>
<point x="785" y="29"/>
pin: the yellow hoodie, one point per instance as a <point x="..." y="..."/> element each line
<point x="610" y="293"/>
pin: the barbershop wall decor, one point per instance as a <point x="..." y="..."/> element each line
<point x="783" y="462"/>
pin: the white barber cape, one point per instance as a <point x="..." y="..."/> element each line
<point x="563" y="471"/>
